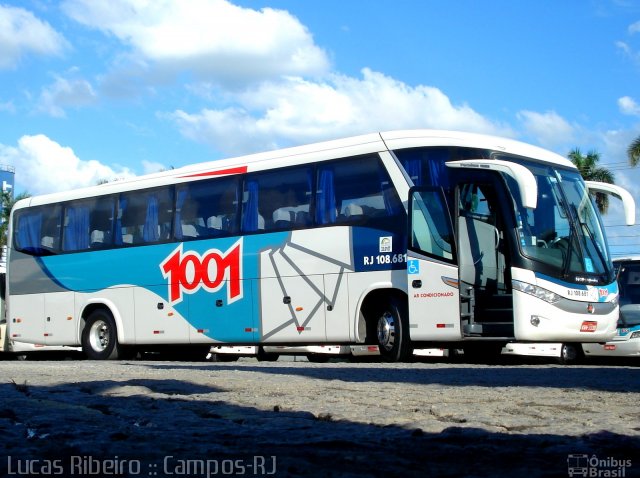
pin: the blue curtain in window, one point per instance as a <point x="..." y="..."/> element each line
<point x="413" y="167"/>
<point x="250" y="213"/>
<point x="437" y="174"/>
<point x="29" y="228"/>
<point x="180" y="200"/>
<point x="150" y="231"/>
<point x="122" y="207"/>
<point x="76" y="228"/>
<point x="326" y="198"/>
<point x="391" y="203"/>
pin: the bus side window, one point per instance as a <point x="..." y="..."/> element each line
<point x="206" y="209"/>
<point x="101" y="223"/>
<point x="144" y="216"/>
<point x="277" y="200"/>
<point x="37" y="231"/>
<point x="358" y="191"/>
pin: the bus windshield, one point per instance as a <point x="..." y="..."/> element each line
<point x="565" y="230"/>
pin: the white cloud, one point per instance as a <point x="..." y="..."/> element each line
<point x="21" y="33"/>
<point x="149" y="167"/>
<point x="628" y="106"/>
<point x="44" y="166"/>
<point x="634" y="28"/>
<point x="213" y="38"/>
<point x="295" y="111"/>
<point x="64" y="93"/>
<point x="549" y="129"/>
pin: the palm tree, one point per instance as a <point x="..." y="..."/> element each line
<point x="590" y="171"/>
<point x="634" y="152"/>
<point x="7" y="202"/>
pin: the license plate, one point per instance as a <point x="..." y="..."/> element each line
<point x="588" y="326"/>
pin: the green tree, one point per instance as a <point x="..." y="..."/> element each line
<point x="590" y="171"/>
<point x="8" y="201"/>
<point x="634" y="152"/>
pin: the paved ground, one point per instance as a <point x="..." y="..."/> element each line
<point x="286" y="418"/>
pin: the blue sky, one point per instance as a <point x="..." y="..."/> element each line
<point x="95" y="89"/>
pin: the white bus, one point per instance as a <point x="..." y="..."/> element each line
<point x="405" y="239"/>
<point x="626" y="342"/>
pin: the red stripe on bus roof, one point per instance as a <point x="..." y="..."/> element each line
<point x="218" y="172"/>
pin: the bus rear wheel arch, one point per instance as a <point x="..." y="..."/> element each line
<point x="100" y="336"/>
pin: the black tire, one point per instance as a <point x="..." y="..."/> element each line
<point x="224" y="357"/>
<point x="392" y="332"/>
<point x="570" y="354"/>
<point x="318" y="358"/>
<point x="100" y="337"/>
<point x="263" y="356"/>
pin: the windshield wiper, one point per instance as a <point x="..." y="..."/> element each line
<point x="589" y="233"/>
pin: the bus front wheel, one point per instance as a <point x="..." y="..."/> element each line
<point x="392" y="332"/>
<point x="100" y="336"/>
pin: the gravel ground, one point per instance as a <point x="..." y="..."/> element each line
<point x="295" y="418"/>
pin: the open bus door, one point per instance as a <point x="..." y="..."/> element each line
<point x="432" y="271"/>
<point x="447" y="273"/>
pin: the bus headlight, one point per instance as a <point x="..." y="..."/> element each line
<point x="536" y="291"/>
<point x="635" y="335"/>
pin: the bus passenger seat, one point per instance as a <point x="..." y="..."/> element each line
<point x="189" y="230"/>
<point x="303" y="218"/>
<point x="353" y="210"/>
<point x="97" y="238"/>
<point x="282" y="218"/>
<point x="47" y="241"/>
<point x="214" y="222"/>
<point x="127" y="238"/>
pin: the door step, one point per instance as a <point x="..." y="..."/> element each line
<point x="488" y="329"/>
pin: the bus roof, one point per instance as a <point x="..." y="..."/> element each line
<point x="354" y="145"/>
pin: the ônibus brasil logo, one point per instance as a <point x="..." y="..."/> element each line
<point x="189" y="271"/>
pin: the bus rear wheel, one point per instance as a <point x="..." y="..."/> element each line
<point x="100" y="337"/>
<point x="392" y="332"/>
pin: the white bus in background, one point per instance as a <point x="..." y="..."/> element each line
<point x="402" y="240"/>
<point x="626" y="342"/>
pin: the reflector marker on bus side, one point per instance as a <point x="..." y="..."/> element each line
<point x="158" y="332"/>
<point x="444" y="326"/>
<point x="250" y="329"/>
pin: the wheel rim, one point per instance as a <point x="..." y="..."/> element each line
<point x="386" y="331"/>
<point x="99" y="335"/>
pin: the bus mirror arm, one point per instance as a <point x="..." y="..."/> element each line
<point x="628" y="203"/>
<point x="525" y="178"/>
